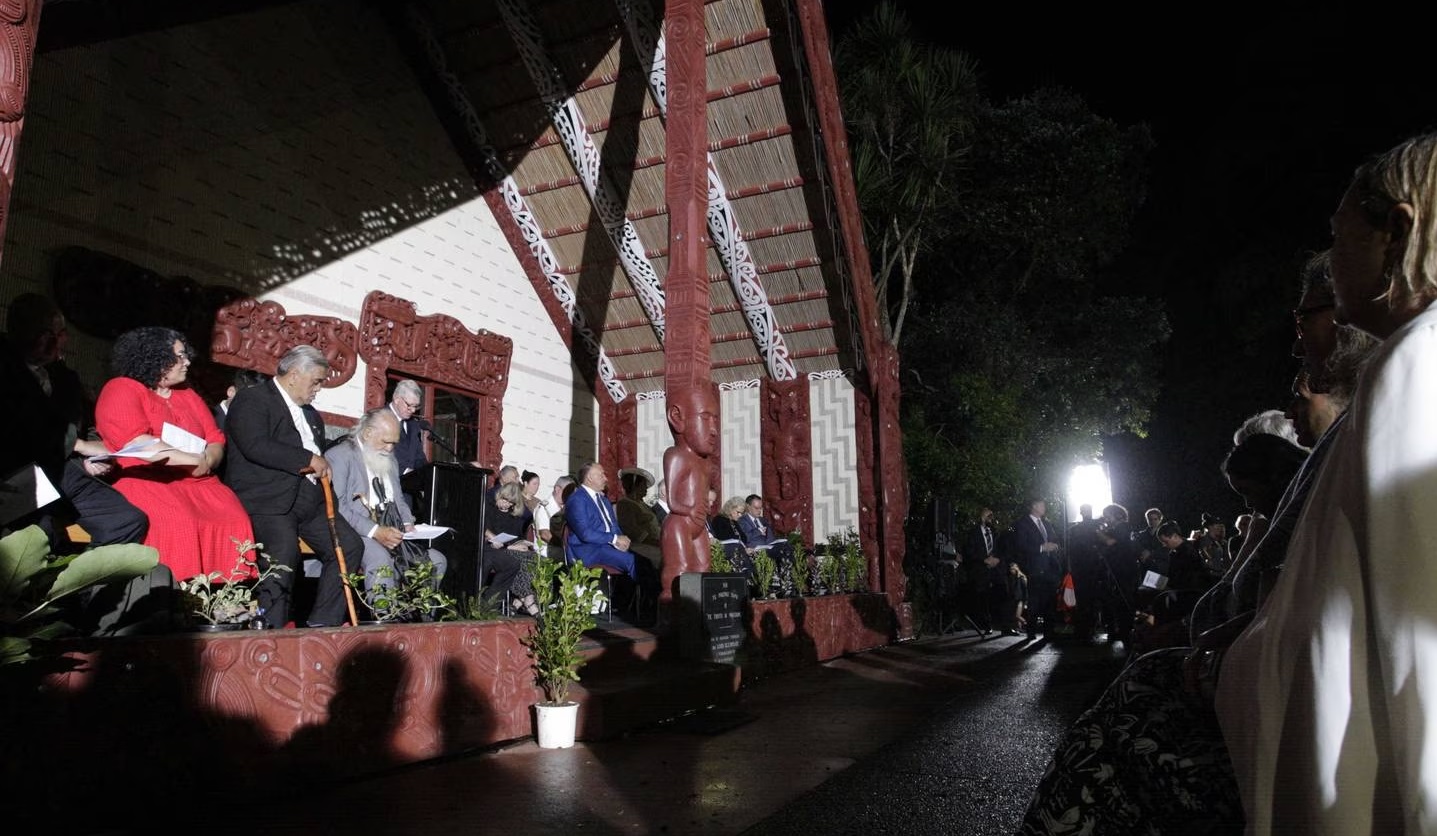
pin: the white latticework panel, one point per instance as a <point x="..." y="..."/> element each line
<point x="835" y="458"/>
<point x="742" y="447"/>
<point x="654" y="437"/>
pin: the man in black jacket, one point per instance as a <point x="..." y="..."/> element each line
<point x="275" y="465"/>
<point x="1035" y="550"/>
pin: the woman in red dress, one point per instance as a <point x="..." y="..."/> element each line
<point x="195" y="519"/>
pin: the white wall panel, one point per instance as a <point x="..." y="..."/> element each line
<point x="835" y="457"/>
<point x="654" y="436"/>
<point x="742" y="442"/>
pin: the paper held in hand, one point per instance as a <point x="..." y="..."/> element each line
<point x="499" y="541"/>
<point x="182" y="439"/>
<point x="424" y="531"/>
<point x="176" y="440"/>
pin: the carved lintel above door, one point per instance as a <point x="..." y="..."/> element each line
<point x="393" y="337"/>
<point x="252" y="334"/>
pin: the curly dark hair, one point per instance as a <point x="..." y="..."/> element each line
<point x="145" y="354"/>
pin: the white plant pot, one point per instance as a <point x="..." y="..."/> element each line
<point x="556" y="724"/>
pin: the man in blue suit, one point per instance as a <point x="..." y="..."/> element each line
<point x="595" y="538"/>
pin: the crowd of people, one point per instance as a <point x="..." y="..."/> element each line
<point x="1298" y="699"/>
<point x="150" y="461"/>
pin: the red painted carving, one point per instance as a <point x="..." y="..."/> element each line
<point x="436" y="347"/>
<point x="694" y="419"/>
<point x="867" y="498"/>
<point x="251" y="334"/>
<point x="692" y="406"/>
<point x="618" y="438"/>
<point x="18" y="22"/>
<point x="892" y="475"/>
<point x="882" y="358"/>
<point x="788" y="456"/>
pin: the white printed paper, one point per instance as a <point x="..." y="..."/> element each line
<point x="1152" y="580"/>
<point x="182" y="439"/>
<point x="424" y="531"/>
<point x="498" y="541"/>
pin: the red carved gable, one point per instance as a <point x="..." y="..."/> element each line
<point x="250" y="334"/>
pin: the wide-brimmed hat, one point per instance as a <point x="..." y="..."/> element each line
<point x="640" y="472"/>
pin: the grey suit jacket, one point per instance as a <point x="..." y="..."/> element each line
<point x="351" y="486"/>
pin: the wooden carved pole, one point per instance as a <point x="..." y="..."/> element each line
<point x="692" y="402"/>
<point x="19" y="19"/>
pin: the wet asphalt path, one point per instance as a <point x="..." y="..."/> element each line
<point x="970" y="768"/>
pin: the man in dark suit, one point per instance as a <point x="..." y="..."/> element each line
<point x="275" y="465"/>
<point x="594" y="537"/>
<point x="243" y="379"/>
<point x="45" y="422"/>
<point x="985" y="598"/>
<point x="1035" y="550"/>
<point x="405" y="403"/>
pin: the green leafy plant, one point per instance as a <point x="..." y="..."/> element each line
<point x="477" y="608"/>
<point x="33" y="581"/>
<point x="567" y="597"/>
<point x="763" y="570"/>
<point x="801" y="579"/>
<point x="228" y="597"/>
<point x="830" y="569"/>
<point x="408" y="596"/>
<point x="855" y="564"/>
<point x="718" y="558"/>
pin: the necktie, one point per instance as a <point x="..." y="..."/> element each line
<point x="987" y="540"/>
<point x="42" y="375"/>
<point x="603" y="512"/>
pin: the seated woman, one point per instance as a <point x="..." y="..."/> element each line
<point x="723" y="528"/>
<point x="505" y="518"/>
<point x="195" y="519"/>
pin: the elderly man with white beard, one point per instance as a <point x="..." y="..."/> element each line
<point x="365" y="476"/>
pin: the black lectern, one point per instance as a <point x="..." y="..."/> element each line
<point x="456" y="499"/>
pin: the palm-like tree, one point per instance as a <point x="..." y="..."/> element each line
<point x="910" y="107"/>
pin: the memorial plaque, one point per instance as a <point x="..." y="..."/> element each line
<point x="713" y="615"/>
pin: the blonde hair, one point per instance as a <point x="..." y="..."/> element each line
<point x="1406" y="174"/>
<point x="514" y="494"/>
<point x="733" y="503"/>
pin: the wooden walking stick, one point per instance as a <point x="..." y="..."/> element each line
<point x="328" y="489"/>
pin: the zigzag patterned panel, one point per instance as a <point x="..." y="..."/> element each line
<point x="654" y="436"/>
<point x="835" y="461"/>
<point x="742" y="453"/>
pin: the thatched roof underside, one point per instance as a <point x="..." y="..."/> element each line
<point x="762" y="126"/>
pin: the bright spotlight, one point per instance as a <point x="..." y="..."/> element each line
<point x="1088" y="485"/>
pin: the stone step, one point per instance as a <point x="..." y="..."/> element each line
<point x="635" y="679"/>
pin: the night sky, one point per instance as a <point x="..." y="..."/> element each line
<point x="1260" y="112"/>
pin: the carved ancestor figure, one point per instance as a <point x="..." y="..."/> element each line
<point x="693" y="417"/>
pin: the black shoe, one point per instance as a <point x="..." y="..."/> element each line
<point x="1010" y="632"/>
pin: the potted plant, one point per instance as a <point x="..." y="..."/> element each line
<point x="225" y="601"/>
<point x="718" y="558"/>
<point x="33" y="581"/>
<point x="565" y="596"/>
<point x="410" y="595"/>
<point x="763" y="572"/>
<point x="855" y="564"/>
<point x="802" y="581"/>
